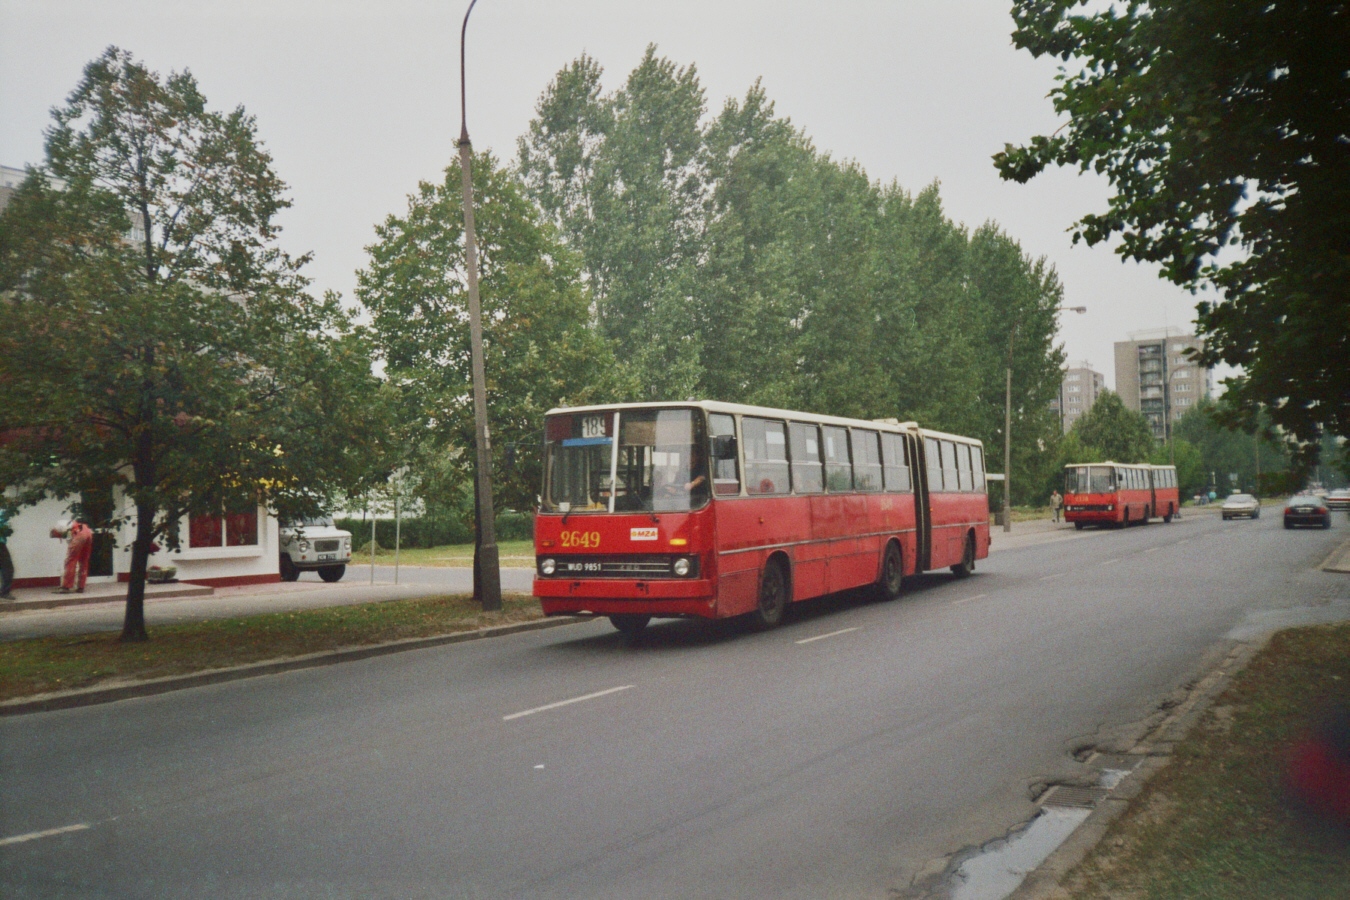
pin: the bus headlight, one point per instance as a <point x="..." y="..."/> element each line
<point x="548" y="567"/>
<point x="681" y="567"/>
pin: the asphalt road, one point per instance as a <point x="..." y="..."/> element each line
<point x="832" y="757"/>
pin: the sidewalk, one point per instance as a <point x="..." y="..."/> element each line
<point x="39" y="613"/>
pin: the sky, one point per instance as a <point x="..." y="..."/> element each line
<point x="358" y="101"/>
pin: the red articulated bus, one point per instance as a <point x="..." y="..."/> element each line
<point x="1114" y="495"/>
<point x="714" y="509"/>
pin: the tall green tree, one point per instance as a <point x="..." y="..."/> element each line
<point x="1224" y="129"/>
<point x="1112" y="432"/>
<point x="538" y="348"/>
<point x="154" y="339"/>
<point x="623" y="176"/>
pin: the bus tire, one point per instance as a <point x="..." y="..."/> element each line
<point x="773" y="598"/>
<point x="892" y="583"/>
<point x="967" y="564"/>
<point x="629" y="623"/>
<point x="1167" y="519"/>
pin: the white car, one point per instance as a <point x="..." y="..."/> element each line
<point x="315" y="545"/>
<point x="1241" y="505"/>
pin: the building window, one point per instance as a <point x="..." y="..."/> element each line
<point x="1181" y="387"/>
<point x="237" y="529"/>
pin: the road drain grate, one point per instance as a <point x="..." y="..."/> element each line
<point x="1074" y="797"/>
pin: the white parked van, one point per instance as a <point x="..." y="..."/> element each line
<point x="314" y="545"/>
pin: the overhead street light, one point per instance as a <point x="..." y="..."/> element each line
<point x="488" y="585"/>
<point x="1007" y="419"/>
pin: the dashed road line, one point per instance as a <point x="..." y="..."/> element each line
<point x="968" y="599"/>
<point x="35" y="835"/>
<point x="1052" y="577"/>
<point x="1109" y="562"/>
<point x="548" y="706"/>
<point x="821" y="637"/>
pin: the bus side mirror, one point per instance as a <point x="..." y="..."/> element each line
<point x="724" y="446"/>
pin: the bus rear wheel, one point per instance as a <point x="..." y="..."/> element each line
<point x="892" y="583"/>
<point x="773" y="598"/>
<point x="629" y="623"/>
<point x="1167" y="519"/>
<point x="967" y="564"/>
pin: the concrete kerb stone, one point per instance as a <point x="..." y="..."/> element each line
<point x="126" y="690"/>
<point x="1043" y="882"/>
<point x="1339" y="560"/>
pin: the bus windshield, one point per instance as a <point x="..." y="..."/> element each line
<point x="660" y="464"/>
<point x="1089" y="480"/>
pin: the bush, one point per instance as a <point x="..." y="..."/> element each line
<point x="429" y="531"/>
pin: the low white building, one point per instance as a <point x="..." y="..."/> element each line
<point x="219" y="551"/>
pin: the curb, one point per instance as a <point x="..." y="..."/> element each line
<point x="1339" y="560"/>
<point x="184" y="589"/>
<point x="1042" y="882"/>
<point x="111" y="693"/>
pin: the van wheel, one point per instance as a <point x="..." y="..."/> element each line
<point x="892" y="583"/>
<point x="629" y="623"/>
<point x="331" y="574"/>
<point x="967" y="564"/>
<point x="773" y="598"/>
<point x="288" y="570"/>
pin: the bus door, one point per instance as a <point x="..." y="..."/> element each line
<point x="923" y="514"/>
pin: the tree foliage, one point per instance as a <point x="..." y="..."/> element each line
<point x="731" y="259"/>
<point x="153" y="337"/>
<point x="1224" y="129"/>
<point x="1113" y="432"/>
<point x="539" y="350"/>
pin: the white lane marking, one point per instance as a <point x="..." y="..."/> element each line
<point x="34" y="835"/>
<point x="1179" y="543"/>
<point x="539" y="767"/>
<point x="1052" y="577"/>
<point x="968" y="599"/>
<point x="1152" y="549"/>
<point x="821" y="637"/>
<point x="1108" y="562"/>
<point x="548" y="706"/>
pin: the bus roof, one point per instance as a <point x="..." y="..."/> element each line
<point x="1118" y="465"/>
<point x="717" y="406"/>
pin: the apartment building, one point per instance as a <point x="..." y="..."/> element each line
<point x="1156" y="376"/>
<point x="1079" y="389"/>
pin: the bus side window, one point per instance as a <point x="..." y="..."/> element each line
<point x="808" y="476"/>
<point x="950" y="480"/>
<point x="725" y="468"/>
<point x="977" y="466"/>
<point x="838" y="469"/>
<point x="893" y="462"/>
<point x="766" y="466"/>
<point x="933" y="462"/>
<point x="963" y="467"/>
<point x="866" y="460"/>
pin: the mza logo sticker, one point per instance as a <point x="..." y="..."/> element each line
<point x="642" y="534"/>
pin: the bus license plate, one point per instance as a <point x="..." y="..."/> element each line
<point x="327" y="557"/>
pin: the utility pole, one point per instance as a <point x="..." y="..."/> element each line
<point x="485" y="552"/>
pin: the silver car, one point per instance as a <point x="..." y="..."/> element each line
<point x="1241" y="505"/>
<point x="1339" y="499"/>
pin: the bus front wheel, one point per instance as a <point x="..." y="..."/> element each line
<point x="967" y="564"/>
<point x="892" y="583"/>
<point x="773" y="598"/>
<point x="629" y="623"/>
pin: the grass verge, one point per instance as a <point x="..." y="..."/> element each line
<point x="1217" y="822"/>
<point x="40" y="665"/>
<point x="511" y="553"/>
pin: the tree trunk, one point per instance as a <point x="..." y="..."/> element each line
<point x="133" y="626"/>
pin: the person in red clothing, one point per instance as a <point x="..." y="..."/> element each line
<point x="78" y="550"/>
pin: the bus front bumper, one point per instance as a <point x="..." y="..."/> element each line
<point x="604" y="597"/>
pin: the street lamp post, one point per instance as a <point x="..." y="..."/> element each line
<point x="1007" y="420"/>
<point x="489" y="583"/>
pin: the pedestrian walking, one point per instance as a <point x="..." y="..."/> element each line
<point x="79" y="548"/>
<point x="6" y="562"/>
<point x="1056" y="503"/>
